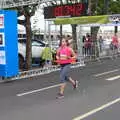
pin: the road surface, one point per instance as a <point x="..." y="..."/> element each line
<point x="97" y="98"/>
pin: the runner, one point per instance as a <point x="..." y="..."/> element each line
<point x="65" y="56"/>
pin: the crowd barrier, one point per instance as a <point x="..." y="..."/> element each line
<point x="95" y="52"/>
<point x="39" y="71"/>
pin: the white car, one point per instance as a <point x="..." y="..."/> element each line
<point x="37" y="47"/>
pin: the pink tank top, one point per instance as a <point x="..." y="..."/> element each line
<point x="65" y="55"/>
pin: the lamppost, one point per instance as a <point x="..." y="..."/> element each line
<point x="116" y="22"/>
<point x="116" y="27"/>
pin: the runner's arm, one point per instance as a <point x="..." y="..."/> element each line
<point x="58" y="54"/>
<point x="73" y="54"/>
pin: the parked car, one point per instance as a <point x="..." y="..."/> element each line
<point x="37" y="47"/>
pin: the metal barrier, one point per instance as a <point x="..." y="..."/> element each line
<point x="40" y="71"/>
<point x="97" y="52"/>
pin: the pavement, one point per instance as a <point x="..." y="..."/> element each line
<point x="97" y="97"/>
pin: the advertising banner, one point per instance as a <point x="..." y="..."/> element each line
<point x="83" y="20"/>
<point x="1" y="21"/>
<point x="8" y="43"/>
<point x="95" y="20"/>
<point x="2" y="39"/>
<point x="2" y="58"/>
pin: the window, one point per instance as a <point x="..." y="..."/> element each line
<point x="36" y="43"/>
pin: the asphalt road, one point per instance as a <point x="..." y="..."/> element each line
<point x="97" y="98"/>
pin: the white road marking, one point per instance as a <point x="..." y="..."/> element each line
<point x="38" y="90"/>
<point x="104" y="73"/>
<point x="97" y="110"/>
<point x="113" y="78"/>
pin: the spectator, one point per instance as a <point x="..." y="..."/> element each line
<point x="47" y="56"/>
<point x="100" y="40"/>
<point x="88" y="45"/>
<point x="114" y="45"/>
<point x="115" y="41"/>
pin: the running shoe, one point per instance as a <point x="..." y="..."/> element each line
<point x="75" y="85"/>
<point x="60" y="96"/>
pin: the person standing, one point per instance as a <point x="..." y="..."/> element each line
<point x="88" y="45"/>
<point x="115" y="44"/>
<point x="47" y="56"/>
<point x="100" y="40"/>
<point x="65" y="55"/>
<point x="115" y="41"/>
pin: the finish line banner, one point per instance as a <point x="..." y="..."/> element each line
<point x="99" y="20"/>
<point x="82" y="20"/>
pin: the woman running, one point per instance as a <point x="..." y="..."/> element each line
<point x="65" y="56"/>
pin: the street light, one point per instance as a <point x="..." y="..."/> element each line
<point x="116" y="27"/>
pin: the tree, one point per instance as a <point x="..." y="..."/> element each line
<point x="27" y="11"/>
<point x="74" y="35"/>
<point x="114" y="7"/>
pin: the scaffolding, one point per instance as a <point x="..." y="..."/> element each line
<point x="5" y="4"/>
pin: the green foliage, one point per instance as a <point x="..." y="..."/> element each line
<point x="99" y="7"/>
<point x="114" y="7"/>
